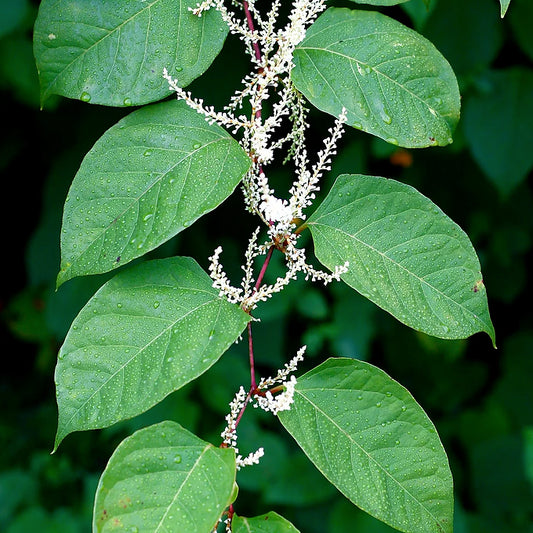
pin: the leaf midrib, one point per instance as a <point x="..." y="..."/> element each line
<point x="422" y="281"/>
<point x="204" y="451"/>
<point x="434" y="112"/>
<point x="368" y="455"/>
<point x="97" y="42"/>
<point x="133" y="357"/>
<point x="74" y="260"/>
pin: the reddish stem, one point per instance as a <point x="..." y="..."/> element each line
<point x="255" y="44"/>
<point x="239" y="416"/>
<point x="251" y="27"/>
<point x="253" y="384"/>
<point x="263" y="268"/>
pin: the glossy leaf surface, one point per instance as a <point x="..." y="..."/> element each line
<point x="497" y="124"/>
<point x="145" y="180"/>
<point x="268" y="523"/>
<point x="405" y="255"/>
<point x="370" y="438"/>
<point x="113" y="52"/>
<point x="164" y="479"/>
<point x="392" y="81"/>
<point x="147" y="332"/>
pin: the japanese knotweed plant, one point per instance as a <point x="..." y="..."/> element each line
<point x="159" y="324"/>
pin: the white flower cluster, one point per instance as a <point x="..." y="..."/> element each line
<point x="229" y="435"/>
<point x="248" y="296"/>
<point x="250" y="459"/>
<point x="283" y="400"/>
<point x="269" y="402"/>
<point x="271" y="51"/>
<point x="220" y="280"/>
<point x="283" y="373"/>
<point x="280" y="402"/>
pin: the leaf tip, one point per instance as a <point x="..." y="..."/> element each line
<point x="59" y="438"/>
<point x="63" y="275"/>
<point x="492" y="335"/>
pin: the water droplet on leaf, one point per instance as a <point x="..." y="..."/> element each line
<point x="385" y="116"/>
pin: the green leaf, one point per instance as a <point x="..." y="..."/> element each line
<point x="164" y="479"/>
<point x="504" y="5"/>
<point x="497" y="125"/>
<point x="370" y="438"/>
<point x="476" y="38"/>
<point x="113" y="52"/>
<point x="521" y="19"/>
<point x="392" y="81"/>
<point x="146" y="333"/>
<point x="145" y="180"/>
<point x="405" y="255"/>
<point x="268" y="523"/>
<point x="419" y="11"/>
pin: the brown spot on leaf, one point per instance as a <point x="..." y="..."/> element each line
<point x="124" y="502"/>
<point x="478" y="285"/>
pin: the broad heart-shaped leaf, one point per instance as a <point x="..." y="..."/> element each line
<point x="370" y="438"/>
<point x="147" y="332"/>
<point x="392" y="81"/>
<point x="497" y="125"/>
<point x="113" y="52"/>
<point x="145" y="180"/>
<point x="405" y="255"/>
<point x="164" y="479"/>
<point x="268" y="523"/>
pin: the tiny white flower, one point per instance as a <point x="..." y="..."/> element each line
<point x="250" y="459"/>
<point x="276" y="210"/>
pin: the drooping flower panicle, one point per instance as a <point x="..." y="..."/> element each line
<point x="270" y="47"/>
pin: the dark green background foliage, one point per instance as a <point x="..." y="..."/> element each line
<point x="480" y="399"/>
